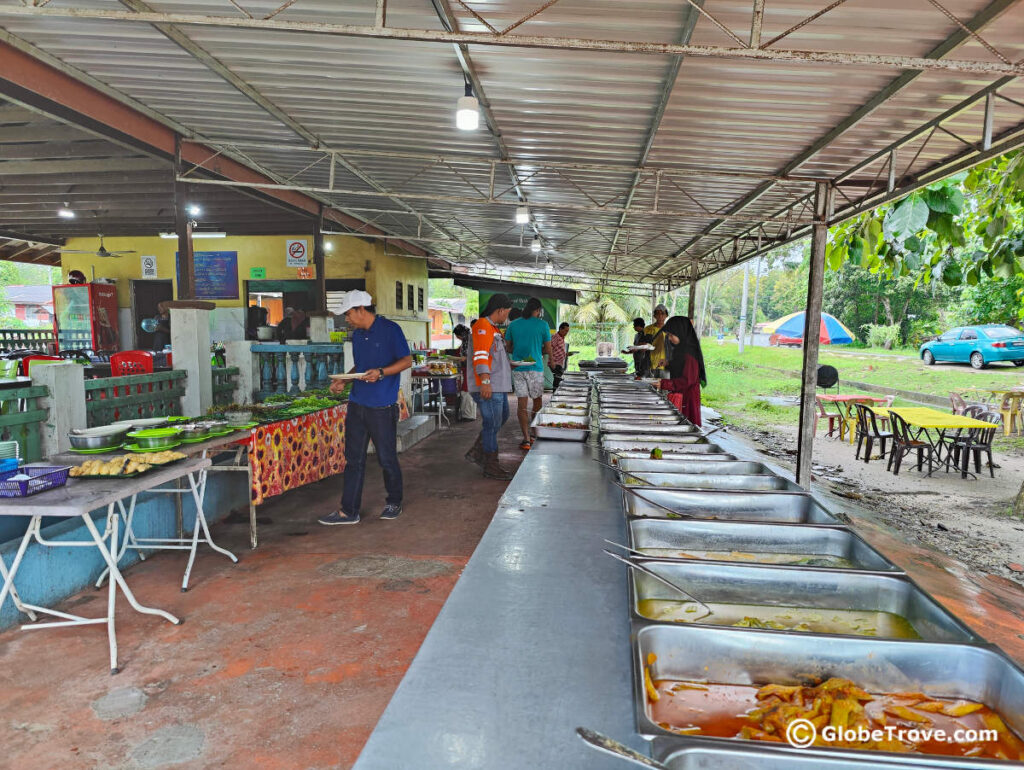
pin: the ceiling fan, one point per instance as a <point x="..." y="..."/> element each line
<point x="100" y="252"/>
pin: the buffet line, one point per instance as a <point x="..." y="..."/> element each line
<point x="765" y="631"/>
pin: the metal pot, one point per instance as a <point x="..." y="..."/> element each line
<point x="110" y="440"/>
<point x="265" y="333"/>
<point x="195" y="430"/>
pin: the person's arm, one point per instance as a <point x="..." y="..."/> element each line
<point x="482" y="361"/>
<point x="386" y="371"/>
<point x="545" y="350"/>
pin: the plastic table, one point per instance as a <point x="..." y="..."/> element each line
<point x="926" y="419"/>
<point x="77" y="499"/>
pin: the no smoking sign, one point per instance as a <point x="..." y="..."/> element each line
<point x="295" y="256"/>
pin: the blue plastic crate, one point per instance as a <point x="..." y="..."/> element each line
<point x="42" y="477"/>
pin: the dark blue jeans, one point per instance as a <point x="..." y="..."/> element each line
<point x="363" y="424"/>
<point x="493" y="414"/>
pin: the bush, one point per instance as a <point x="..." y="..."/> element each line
<point x="879" y="336"/>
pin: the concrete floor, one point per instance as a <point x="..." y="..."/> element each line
<point x="285" y="660"/>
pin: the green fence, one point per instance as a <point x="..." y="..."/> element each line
<point x="110" y="399"/>
<point x="224" y="384"/>
<point x="20" y="418"/>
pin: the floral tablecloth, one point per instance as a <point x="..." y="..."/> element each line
<point x="292" y="453"/>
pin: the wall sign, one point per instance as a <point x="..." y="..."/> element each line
<point x="257" y="273"/>
<point x="216" y="274"/>
<point x="148" y="267"/>
<point x="304" y="272"/>
<point x="296" y="253"/>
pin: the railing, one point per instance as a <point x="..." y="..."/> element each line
<point x="296" y="368"/>
<point x="20" y="416"/>
<point x="34" y="339"/>
<point x="224" y="384"/>
<point x="110" y="399"/>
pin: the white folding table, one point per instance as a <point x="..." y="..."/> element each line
<point x="77" y="499"/>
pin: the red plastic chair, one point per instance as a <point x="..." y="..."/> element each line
<point x="26" y="362"/>
<point x="131" y="362"/>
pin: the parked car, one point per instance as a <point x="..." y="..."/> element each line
<point x="977" y="345"/>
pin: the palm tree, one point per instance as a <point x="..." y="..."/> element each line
<point x="597" y="306"/>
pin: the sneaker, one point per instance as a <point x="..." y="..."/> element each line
<point x="525" y="446"/>
<point x="391" y="511"/>
<point x="339" y="518"/>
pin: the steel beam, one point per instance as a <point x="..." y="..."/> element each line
<point x="812" y="336"/>
<point x="521" y="41"/>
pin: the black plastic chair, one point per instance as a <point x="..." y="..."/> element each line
<point x="905" y="442"/>
<point x="867" y="431"/>
<point x="975" y="441"/>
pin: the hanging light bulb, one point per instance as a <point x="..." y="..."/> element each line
<point x="535" y="244"/>
<point x="467" y="111"/>
<point x="65" y="212"/>
<point x="548" y="266"/>
<point x="522" y="215"/>
<point x="194" y="210"/>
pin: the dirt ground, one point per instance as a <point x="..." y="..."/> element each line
<point x="967" y="519"/>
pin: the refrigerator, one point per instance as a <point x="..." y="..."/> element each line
<point x="85" y="317"/>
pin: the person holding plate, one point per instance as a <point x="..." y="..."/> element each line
<point x="528" y="341"/>
<point x="381" y="352"/>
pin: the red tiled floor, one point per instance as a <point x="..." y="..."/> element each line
<point x="285" y="660"/>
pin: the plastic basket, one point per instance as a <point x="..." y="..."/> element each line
<point x="43" y="477"/>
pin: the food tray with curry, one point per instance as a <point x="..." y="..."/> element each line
<point x="716" y="686"/>
<point x="802" y="601"/>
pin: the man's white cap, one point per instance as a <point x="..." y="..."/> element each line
<point x="353" y="299"/>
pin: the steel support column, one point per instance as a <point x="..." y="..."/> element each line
<point x="183" y="227"/>
<point x="812" y="335"/>
<point x="318" y="262"/>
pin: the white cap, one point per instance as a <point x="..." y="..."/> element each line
<point x="353" y="299"/>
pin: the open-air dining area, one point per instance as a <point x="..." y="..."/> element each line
<point x="431" y="384"/>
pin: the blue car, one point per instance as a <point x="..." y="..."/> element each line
<point x="977" y="345"/>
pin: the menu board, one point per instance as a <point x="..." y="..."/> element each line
<point x="216" y="274"/>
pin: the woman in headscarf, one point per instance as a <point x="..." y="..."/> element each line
<point x="685" y="367"/>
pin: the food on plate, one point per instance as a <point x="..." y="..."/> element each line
<point x="158" y="458"/>
<point x="693" y="707"/>
<point x="123" y="465"/>
<point x="814" y="620"/>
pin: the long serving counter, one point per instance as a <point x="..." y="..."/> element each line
<point x="533" y="640"/>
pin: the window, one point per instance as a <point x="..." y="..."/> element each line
<point x="1001" y="332"/>
<point x="411" y="306"/>
<point x="968" y="335"/>
<point x="949" y="336"/>
<point x="419" y="302"/>
<point x="398" y="295"/>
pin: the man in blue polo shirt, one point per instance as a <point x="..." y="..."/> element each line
<point x="380" y="351"/>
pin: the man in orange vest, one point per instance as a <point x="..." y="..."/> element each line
<point x="490" y="383"/>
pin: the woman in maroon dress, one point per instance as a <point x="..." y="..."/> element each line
<point x="685" y="367"/>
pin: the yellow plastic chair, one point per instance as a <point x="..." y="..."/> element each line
<point x="1010" y="411"/>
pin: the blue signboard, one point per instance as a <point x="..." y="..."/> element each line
<point x="216" y="274"/>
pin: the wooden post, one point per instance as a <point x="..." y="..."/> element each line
<point x="183" y="227"/>
<point x="691" y="309"/>
<point x="318" y="262"/>
<point x="812" y="332"/>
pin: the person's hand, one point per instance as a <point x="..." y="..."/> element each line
<point x="486" y="392"/>
<point x="337" y="386"/>
<point x="662" y="364"/>
<point x="371" y="376"/>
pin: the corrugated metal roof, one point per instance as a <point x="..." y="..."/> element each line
<point x="556" y="107"/>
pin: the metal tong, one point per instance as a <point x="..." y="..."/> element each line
<point x="648" y="571"/>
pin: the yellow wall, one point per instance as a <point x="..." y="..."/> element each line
<point x="347" y="258"/>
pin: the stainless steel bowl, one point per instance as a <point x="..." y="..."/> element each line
<point x="195" y="430"/>
<point x="216" y="425"/>
<point x="104" y="441"/>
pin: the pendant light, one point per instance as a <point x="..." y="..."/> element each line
<point x="535" y="244"/>
<point x="467" y="111"/>
<point x="522" y="215"/>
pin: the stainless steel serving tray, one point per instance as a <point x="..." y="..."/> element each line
<point x="679" y="753"/>
<point x="666" y="442"/>
<point x="694" y="452"/>
<point x="646" y="465"/>
<point x="823" y="589"/>
<point x="660" y="409"/>
<point x="643" y="426"/>
<point x="563" y="434"/>
<point x="759" y="538"/>
<point x="974" y="672"/>
<point x="582" y="412"/>
<point x="710" y="481"/>
<point x="781" y="507"/>
<point x="611" y="419"/>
